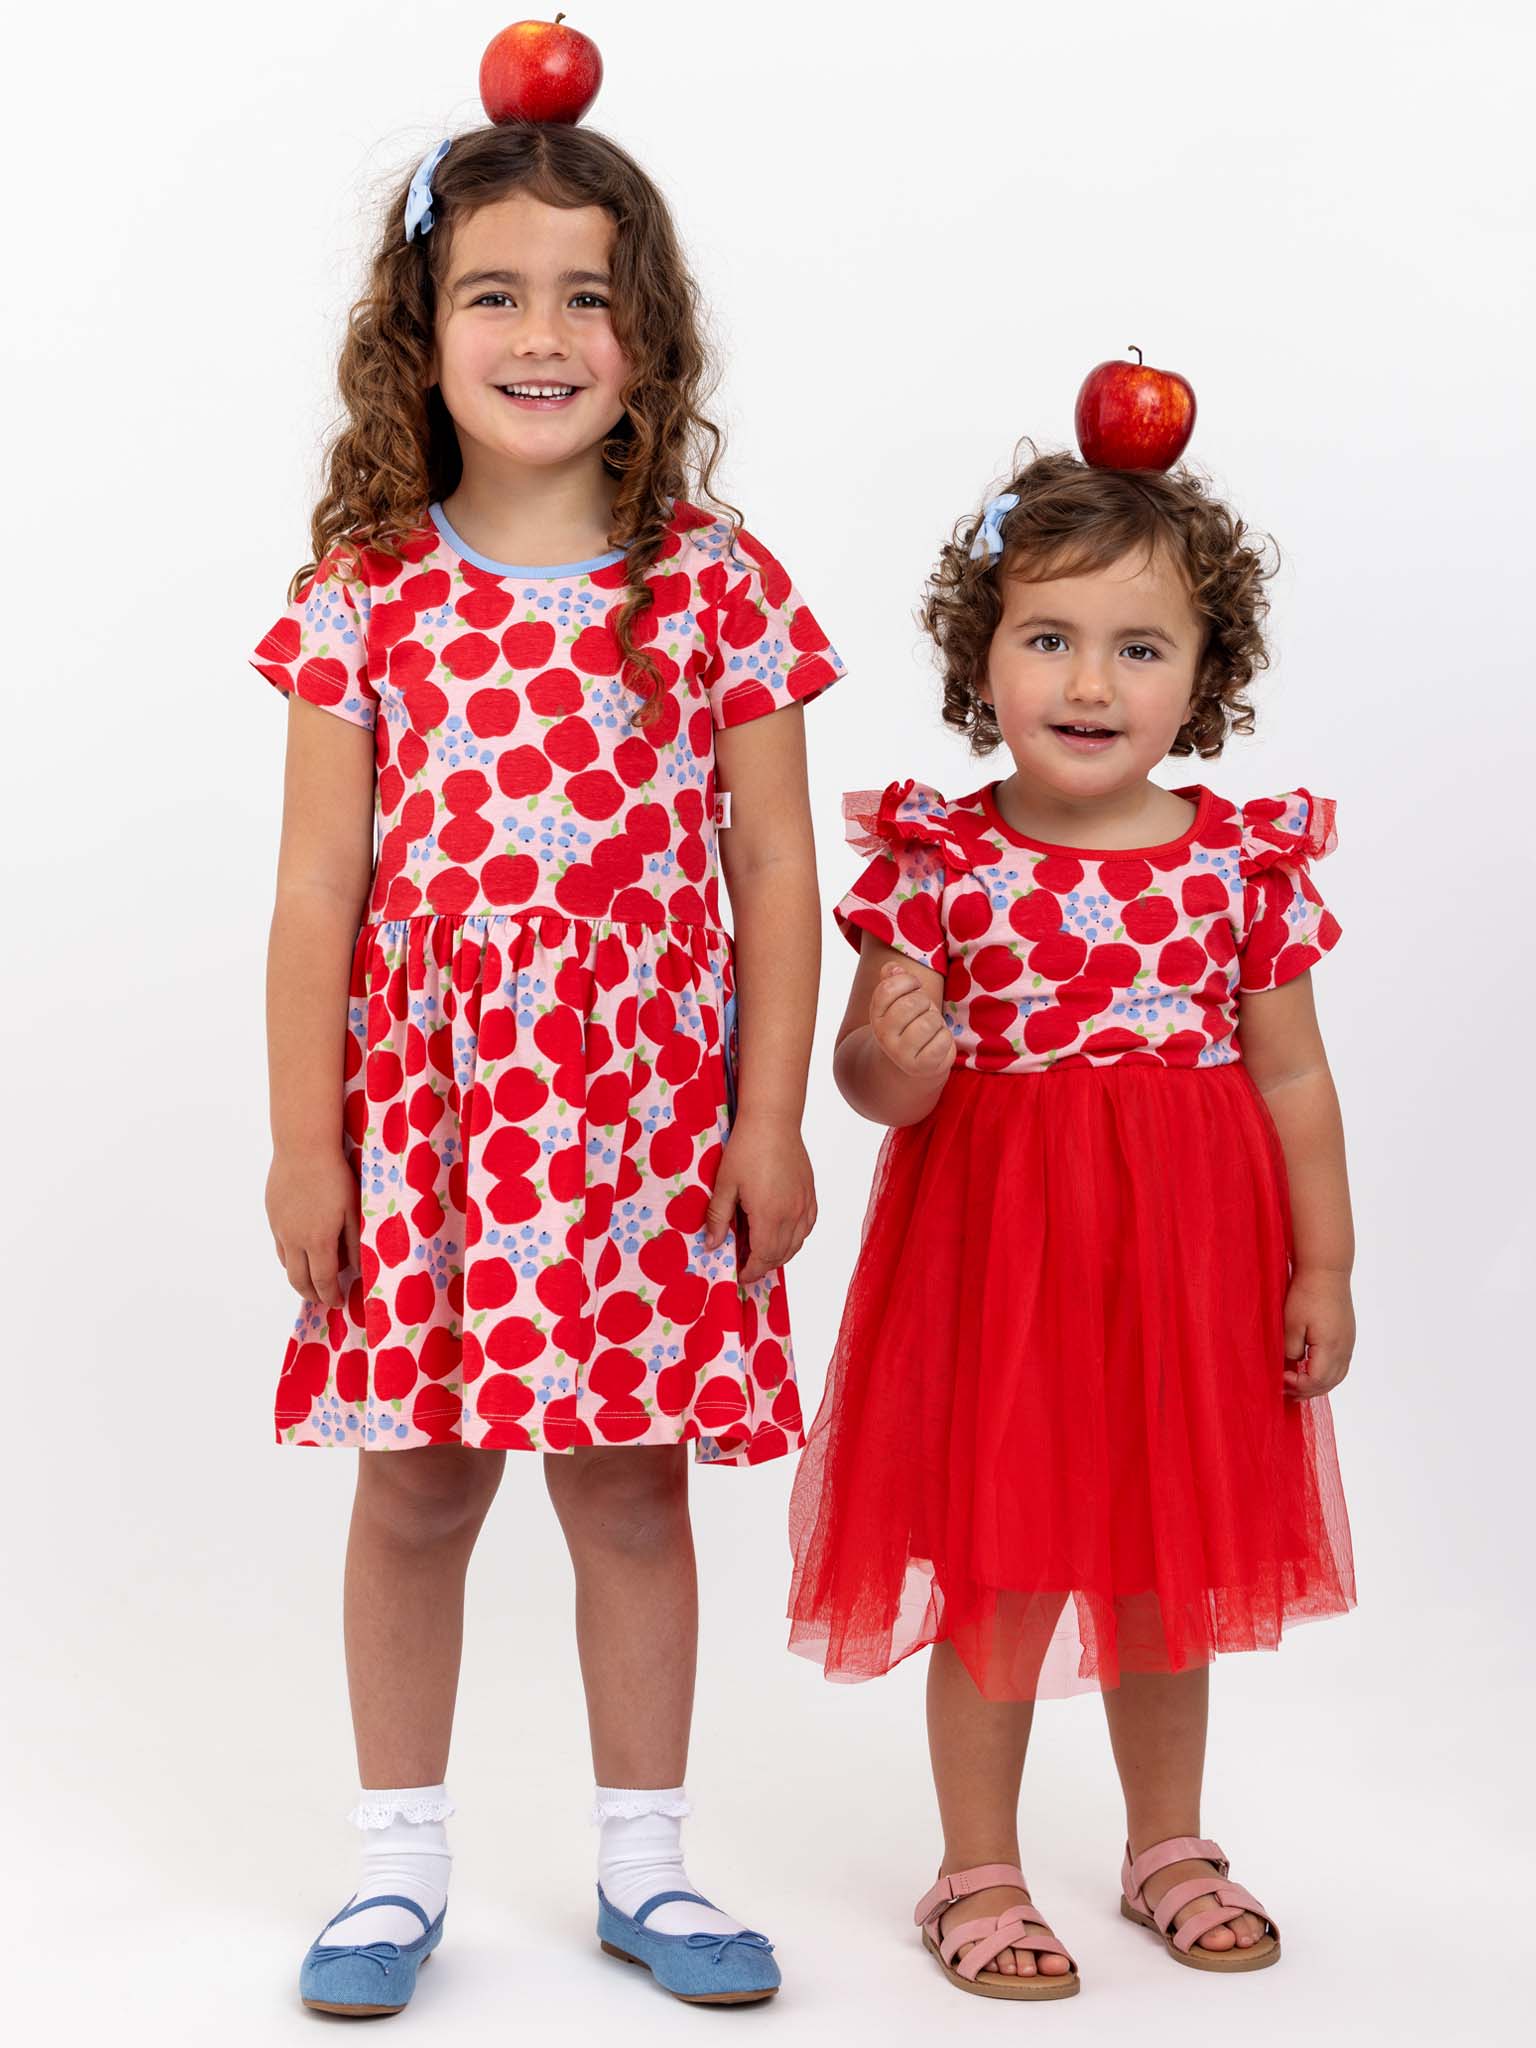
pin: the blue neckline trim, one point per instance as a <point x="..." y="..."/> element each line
<point x="462" y="547"/>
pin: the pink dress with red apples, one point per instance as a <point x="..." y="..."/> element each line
<point x="1056" y="1431"/>
<point x="535" y="1084"/>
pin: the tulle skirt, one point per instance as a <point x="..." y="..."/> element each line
<point x="1055" y="1430"/>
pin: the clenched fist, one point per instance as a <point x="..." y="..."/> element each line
<point x="908" y="1026"/>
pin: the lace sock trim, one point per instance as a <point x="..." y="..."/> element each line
<point x="620" y="1802"/>
<point x="412" y="1802"/>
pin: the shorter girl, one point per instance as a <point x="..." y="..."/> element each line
<point x="1074" y="1432"/>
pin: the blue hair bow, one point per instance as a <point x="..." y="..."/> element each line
<point x="989" y="535"/>
<point x="418" y="201"/>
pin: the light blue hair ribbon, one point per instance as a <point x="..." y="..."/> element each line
<point x="989" y="535"/>
<point x="418" y="201"/>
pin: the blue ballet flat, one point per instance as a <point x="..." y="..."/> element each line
<point x="700" y="1969"/>
<point x="375" y="1977"/>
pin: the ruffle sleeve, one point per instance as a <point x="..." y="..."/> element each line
<point x="1287" y="927"/>
<point x="913" y="849"/>
<point x="318" y="648"/>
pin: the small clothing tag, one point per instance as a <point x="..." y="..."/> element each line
<point x="722" y="808"/>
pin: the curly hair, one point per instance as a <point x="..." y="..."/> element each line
<point x="396" y="450"/>
<point x="1072" y="520"/>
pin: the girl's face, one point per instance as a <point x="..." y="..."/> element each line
<point x="1091" y="676"/>
<point x="525" y="354"/>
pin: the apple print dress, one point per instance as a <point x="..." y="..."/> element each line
<point x="1055" y="1431"/>
<point x="541" y="997"/>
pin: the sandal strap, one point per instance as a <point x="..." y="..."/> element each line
<point x="667" y="1899"/>
<point x="1233" y="1901"/>
<point x="355" y="1906"/>
<point x="959" y="1884"/>
<point x="1013" y="1929"/>
<point x="1176" y="1849"/>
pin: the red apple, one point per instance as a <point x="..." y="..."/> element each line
<point x="539" y="71"/>
<point x="1130" y="416"/>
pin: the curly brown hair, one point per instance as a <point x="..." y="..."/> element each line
<point x="396" y="451"/>
<point x="1073" y="520"/>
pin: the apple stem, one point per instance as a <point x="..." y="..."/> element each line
<point x="558" y="19"/>
<point x="1132" y="345"/>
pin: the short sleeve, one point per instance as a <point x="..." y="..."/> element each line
<point x="1287" y="927"/>
<point x="899" y="897"/>
<point x="318" y="649"/>
<point x="765" y="649"/>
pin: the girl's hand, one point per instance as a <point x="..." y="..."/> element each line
<point x="313" y="1208"/>
<point x="908" y="1026"/>
<point x="1319" y="1333"/>
<point x="765" y="1170"/>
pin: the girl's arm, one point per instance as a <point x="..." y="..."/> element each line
<point x="1283" y="1048"/>
<point x="323" y="869"/>
<point x="894" y="1049"/>
<point x="768" y="859"/>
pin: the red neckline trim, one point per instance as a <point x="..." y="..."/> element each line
<point x="1193" y="792"/>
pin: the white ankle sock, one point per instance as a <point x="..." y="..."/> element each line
<point x="640" y="1853"/>
<point x="405" y="1852"/>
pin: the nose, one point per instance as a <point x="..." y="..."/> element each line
<point x="540" y="333"/>
<point x="1088" y="682"/>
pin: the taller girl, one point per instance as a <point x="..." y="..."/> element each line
<point x="506" y="1179"/>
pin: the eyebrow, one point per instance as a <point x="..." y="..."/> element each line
<point x="1127" y="633"/>
<point x="516" y="279"/>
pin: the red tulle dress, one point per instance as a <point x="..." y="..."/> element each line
<point x="1055" y="1430"/>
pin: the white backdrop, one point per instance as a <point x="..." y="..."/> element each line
<point x="917" y="230"/>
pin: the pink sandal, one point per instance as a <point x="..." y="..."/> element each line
<point x="1231" y="1900"/>
<point x="1019" y="1927"/>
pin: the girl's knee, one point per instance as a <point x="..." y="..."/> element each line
<point x="431" y="1495"/>
<point x="634" y="1501"/>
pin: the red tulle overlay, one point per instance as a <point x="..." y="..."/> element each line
<point x="1056" y="1431"/>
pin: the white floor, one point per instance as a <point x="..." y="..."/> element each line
<point x="1375" y="1830"/>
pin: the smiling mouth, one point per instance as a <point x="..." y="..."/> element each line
<point x="1086" y="732"/>
<point x="539" y="394"/>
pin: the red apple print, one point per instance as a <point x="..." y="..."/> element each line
<point x="490" y="1284"/>
<point x="650" y="827"/>
<point x="441" y="1353"/>
<point x="466" y="838"/>
<point x="1118" y="965"/>
<point x="529" y="644"/>
<point x="995" y="967"/>
<point x="1059" y="873"/>
<point x="483" y="609"/>
<point x="1181" y="963"/>
<point x="309" y="1369"/>
<point x="322" y="681"/>
<point x="492" y="713"/>
<point x="1084" y="997"/>
<point x="1058" y="956"/>
<point x="451" y="891"/>
<point x="391" y="790"/>
<point x="1124" y="878"/>
<point x="595" y="652"/>
<point x="436" y="1412"/>
<point x="810" y="676"/>
<point x="523" y="772"/>
<point x="993" y="1016"/>
<point x="465" y="790"/>
<point x="1294" y="961"/>
<point x="514" y="1342"/>
<point x="1110" y="1043"/>
<point x="394" y="1373"/>
<point x="1149" y="919"/>
<point x="1182" y="1049"/>
<point x="555" y="694"/>
<point x="502" y="1398"/>
<point x="1220" y="941"/>
<point x="634" y="761"/>
<point x="411" y="754"/>
<point x="720" y="1403"/>
<point x="469" y="656"/>
<point x="385" y="1076"/>
<point x="352" y="1376"/>
<point x="1049" y="1029"/>
<point x="572" y="744"/>
<point x="970" y="913"/>
<point x="596" y="794"/>
<point x="414" y="1298"/>
<point x="393" y="1240"/>
<point x="1036" y="915"/>
<point x="281" y="645"/>
<point x="1204" y="895"/>
<point x="388" y="624"/>
<point x="425" y="706"/>
<point x="509" y="878"/>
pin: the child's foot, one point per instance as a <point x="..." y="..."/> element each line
<point x="1240" y="1933"/>
<point x="1019" y="1961"/>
